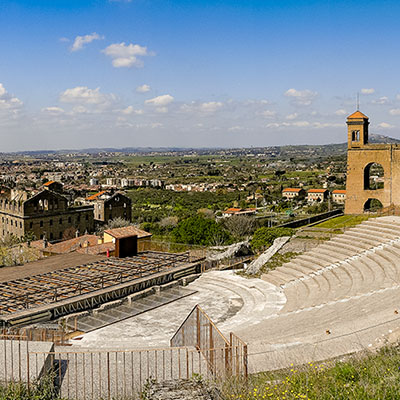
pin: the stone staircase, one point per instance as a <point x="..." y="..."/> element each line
<point x="364" y="259"/>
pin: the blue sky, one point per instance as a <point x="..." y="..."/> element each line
<point x="205" y="73"/>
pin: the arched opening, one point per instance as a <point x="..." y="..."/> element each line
<point x="373" y="176"/>
<point x="372" y="205"/>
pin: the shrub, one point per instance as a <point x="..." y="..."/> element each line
<point x="199" y="230"/>
<point x="264" y="237"/>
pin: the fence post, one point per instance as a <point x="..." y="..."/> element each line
<point x="198" y="328"/>
<point x="211" y="347"/>
<point x="245" y="361"/>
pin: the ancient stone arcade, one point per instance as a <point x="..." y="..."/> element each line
<point x="373" y="170"/>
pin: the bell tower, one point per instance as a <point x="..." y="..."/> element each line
<point x="357" y="130"/>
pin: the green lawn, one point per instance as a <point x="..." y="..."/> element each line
<point x="343" y="221"/>
<point x="360" y="377"/>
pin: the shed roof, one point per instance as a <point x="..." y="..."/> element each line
<point x="127" y="231"/>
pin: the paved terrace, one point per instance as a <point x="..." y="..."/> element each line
<point x="338" y="298"/>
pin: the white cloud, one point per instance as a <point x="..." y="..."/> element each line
<point x="303" y="124"/>
<point x="381" y="100"/>
<point x="236" y="128"/>
<point x="301" y="97"/>
<point x="162" y="110"/>
<point x="368" y="91"/>
<point x="9" y="102"/>
<point x="385" y="125"/>
<point x="395" y="111"/>
<point x="211" y="106"/>
<point x="268" y="113"/>
<point x="341" y="112"/>
<point x="202" y="108"/>
<point x="292" y="116"/>
<point x="126" y="56"/>
<point x="321" y="125"/>
<point x="130" y="110"/>
<point x="84" y="95"/>
<point x="143" y="88"/>
<point x="53" y="110"/>
<point x="80" y="41"/>
<point x="160" y="101"/>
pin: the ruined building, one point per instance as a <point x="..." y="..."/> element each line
<point x="108" y="206"/>
<point x="45" y="214"/>
<point x="373" y="170"/>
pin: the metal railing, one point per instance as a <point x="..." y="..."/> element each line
<point x="198" y="331"/>
<point x="57" y="336"/>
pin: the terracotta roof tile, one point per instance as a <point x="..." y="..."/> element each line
<point x="317" y="191"/>
<point x="357" y="115"/>
<point x="95" y="196"/>
<point x="337" y="191"/>
<point x="232" y="210"/>
<point x="291" y="190"/>
<point x="97" y="249"/>
<point x="68" y="246"/>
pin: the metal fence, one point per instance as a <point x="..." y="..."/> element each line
<point x="198" y="331"/>
<point x="57" y="336"/>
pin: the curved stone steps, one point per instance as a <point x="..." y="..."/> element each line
<point x="283" y="275"/>
<point x="342" y="283"/>
<point x="372" y="239"/>
<point x="324" y="292"/>
<point x="304" y="267"/>
<point x="294" y="294"/>
<point x="318" y="259"/>
<point x="384" y="233"/>
<point x="356" y="245"/>
<point x="390" y="266"/>
<point x="333" y="254"/>
<point x="251" y="301"/>
<point x="375" y="262"/>
<point x="273" y="280"/>
<point x="373" y="273"/>
<point x="340" y="252"/>
<point x="351" y="248"/>
<point x="382" y="222"/>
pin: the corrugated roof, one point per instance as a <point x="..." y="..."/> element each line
<point x="356" y="115"/>
<point x="127" y="231"/>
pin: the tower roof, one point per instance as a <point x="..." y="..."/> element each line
<point x="357" y="115"/>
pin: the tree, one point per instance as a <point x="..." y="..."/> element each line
<point x="117" y="223"/>
<point x="239" y="226"/>
<point x="198" y="230"/>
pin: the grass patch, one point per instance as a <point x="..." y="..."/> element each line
<point x="343" y="221"/>
<point x="276" y="261"/>
<point x="359" y="377"/>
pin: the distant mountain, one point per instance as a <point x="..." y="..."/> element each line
<point x="334" y="148"/>
<point x="375" y="138"/>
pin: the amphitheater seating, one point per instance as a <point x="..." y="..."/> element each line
<point x="364" y="259"/>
